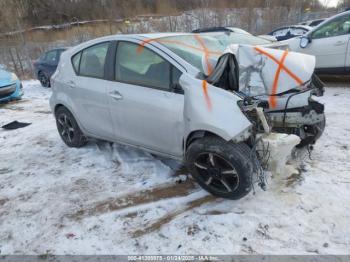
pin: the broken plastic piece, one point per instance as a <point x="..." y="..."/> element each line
<point x="15" y="125"/>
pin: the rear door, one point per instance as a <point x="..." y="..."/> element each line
<point x="145" y="110"/>
<point x="87" y="89"/>
<point x="330" y="43"/>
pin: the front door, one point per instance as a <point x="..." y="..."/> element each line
<point x="144" y="109"/>
<point x="330" y="42"/>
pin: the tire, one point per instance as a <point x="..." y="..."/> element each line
<point x="68" y="128"/>
<point x="230" y="176"/>
<point x="44" y="80"/>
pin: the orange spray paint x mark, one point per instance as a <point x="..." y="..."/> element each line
<point x="206" y="53"/>
<point x="281" y="66"/>
<point x="206" y="95"/>
<point x="273" y="99"/>
<point x="159" y="40"/>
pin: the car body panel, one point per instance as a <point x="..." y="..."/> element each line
<point x="221" y="116"/>
<point x="10" y="87"/>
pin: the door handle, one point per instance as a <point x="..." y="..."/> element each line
<point x="116" y="95"/>
<point x="339" y="43"/>
<point x="72" y="84"/>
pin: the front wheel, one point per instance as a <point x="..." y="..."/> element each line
<point x="222" y="168"/>
<point x="68" y="128"/>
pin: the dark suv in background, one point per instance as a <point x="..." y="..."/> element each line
<point x="46" y="65"/>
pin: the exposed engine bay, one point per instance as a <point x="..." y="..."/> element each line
<point x="281" y="83"/>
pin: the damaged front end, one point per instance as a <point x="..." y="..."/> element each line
<point x="279" y="82"/>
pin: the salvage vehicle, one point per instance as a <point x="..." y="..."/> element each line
<point x="329" y="43"/>
<point x="191" y="98"/>
<point x="46" y="65"/>
<point x="238" y="35"/>
<point x="10" y="87"/>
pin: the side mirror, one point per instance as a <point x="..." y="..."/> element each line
<point x="304" y="41"/>
<point x="177" y="89"/>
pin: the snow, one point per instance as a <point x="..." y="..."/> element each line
<point x="111" y="199"/>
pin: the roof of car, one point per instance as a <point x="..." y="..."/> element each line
<point x="161" y="35"/>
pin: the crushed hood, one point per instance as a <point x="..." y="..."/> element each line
<point x="260" y="70"/>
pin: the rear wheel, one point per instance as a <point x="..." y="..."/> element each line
<point x="68" y="128"/>
<point x="222" y="168"/>
<point x="44" y="80"/>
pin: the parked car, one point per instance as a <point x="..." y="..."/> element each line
<point x="46" y="65"/>
<point x="313" y="23"/>
<point x="231" y="35"/>
<point x="287" y="32"/>
<point x="268" y="39"/>
<point x="10" y="86"/>
<point x="329" y="43"/>
<point x="153" y="92"/>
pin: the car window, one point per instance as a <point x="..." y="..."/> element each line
<point x="76" y="62"/>
<point x="281" y="32"/>
<point x="316" y="22"/>
<point x="335" y="27"/>
<point x="92" y="60"/>
<point x="297" y="31"/>
<point x="141" y="66"/>
<point x="190" y="47"/>
<point x="51" y="57"/>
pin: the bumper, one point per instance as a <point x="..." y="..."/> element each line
<point x="11" y="92"/>
<point x="306" y="122"/>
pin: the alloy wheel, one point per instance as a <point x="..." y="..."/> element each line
<point x="66" y="128"/>
<point x="216" y="172"/>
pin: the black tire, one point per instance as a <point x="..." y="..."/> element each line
<point x="68" y="128"/>
<point x="228" y="156"/>
<point x="44" y="79"/>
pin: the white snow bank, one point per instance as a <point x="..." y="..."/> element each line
<point x="94" y="200"/>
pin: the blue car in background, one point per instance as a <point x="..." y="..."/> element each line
<point x="46" y="65"/>
<point x="10" y="87"/>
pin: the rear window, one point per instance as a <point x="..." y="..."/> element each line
<point x="76" y="62"/>
<point x="91" y="61"/>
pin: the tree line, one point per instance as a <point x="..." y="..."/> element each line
<point x="30" y="13"/>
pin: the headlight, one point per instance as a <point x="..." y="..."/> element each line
<point x="13" y="77"/>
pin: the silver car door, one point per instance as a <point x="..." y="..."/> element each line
<point x="144" y="110"/>
<point x="87" y="89"/>
<point x="329" y="43"/>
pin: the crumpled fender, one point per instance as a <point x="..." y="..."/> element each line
<point x="260" y="69"/>
<point x="215" y="110"/>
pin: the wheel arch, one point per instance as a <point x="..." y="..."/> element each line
<point x="198" y="134"/>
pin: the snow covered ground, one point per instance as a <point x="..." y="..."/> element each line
<point x="111" y="199"/>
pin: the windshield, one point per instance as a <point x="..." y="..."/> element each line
<point x="206" y="48"/>
<point x="195" y="49"/>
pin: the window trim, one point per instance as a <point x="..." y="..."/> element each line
<point x="138" y="84"/>
<point x="81" y="55"/>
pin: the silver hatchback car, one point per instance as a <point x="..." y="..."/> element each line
<point x="153" y="92"/>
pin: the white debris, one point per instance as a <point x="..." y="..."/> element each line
<point x="280" y="147"/>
